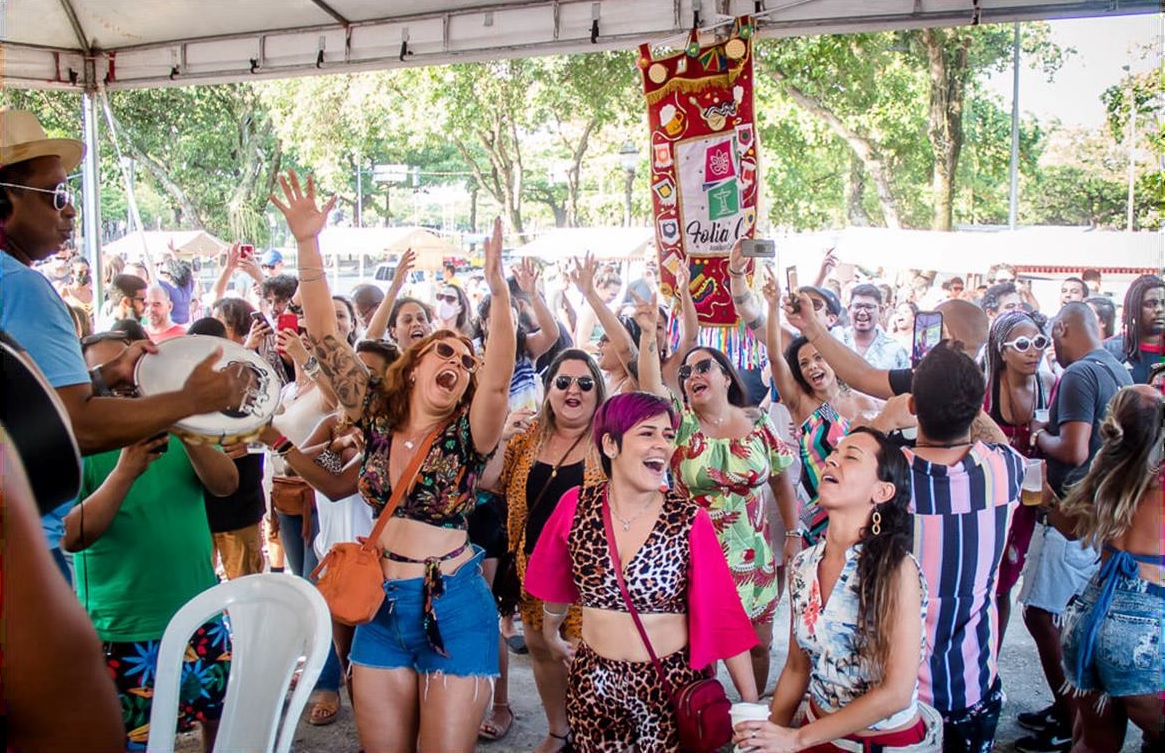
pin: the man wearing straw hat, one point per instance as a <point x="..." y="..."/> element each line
<point x="36" y="219"/>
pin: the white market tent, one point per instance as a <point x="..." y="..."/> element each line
<point x="604" y="242"/>
<point x="154" y="243"/>
<point x="365" y="242"/>
<point x="92" y="45"/>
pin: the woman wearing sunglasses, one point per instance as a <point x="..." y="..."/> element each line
<point x="422" y="668"/>
<point x="671" y="569"/>
<point x="453" y="311"/>
<point x="1016" y="389"/>
<point x="726" y="453"/>
<point x="541" y="463"/>
<point x="820" y="403"/>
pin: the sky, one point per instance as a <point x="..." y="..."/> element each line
<point x="1103" y="46"/>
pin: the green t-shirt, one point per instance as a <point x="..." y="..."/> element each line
<point x="156" y="554"/>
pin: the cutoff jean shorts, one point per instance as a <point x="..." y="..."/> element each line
<point x="1056" y="570"/>
<point x="1129" y="658"/>
<point x="466" y="612"/>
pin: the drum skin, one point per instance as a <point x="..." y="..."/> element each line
<point x="168" y="369"/>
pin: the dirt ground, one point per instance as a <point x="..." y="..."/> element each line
<point x="1023" y="682"/>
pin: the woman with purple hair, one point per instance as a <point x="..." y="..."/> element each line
<point x="675" y="576"/>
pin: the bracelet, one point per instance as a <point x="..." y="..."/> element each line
<point x="735" y="273"/>
<point x="316" y="278"/>
<point x="551" y="613"/>
<point x="312" y="269"/>
<point x="792" y="534"/>
<point x="1035" y="437"/>
<point x="282" y="445"/>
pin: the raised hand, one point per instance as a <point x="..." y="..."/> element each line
<point x="771" y="290"/>
<point x="403" y="267"/>
<point x="260" y="329"/>
<point x="646" y="312"/>
<point x="233" y="255"/>
<point x="583" y="273"/>
<point x="526" y="275"/>
<point x="683" y="277"/>
<point x="291" y="342"/>
<point x="494" y="276"/>
<point x="305" y="218"/>
<point x="736" y="261"/>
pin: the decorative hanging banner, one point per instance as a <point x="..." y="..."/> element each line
<point x="704" y="172"/>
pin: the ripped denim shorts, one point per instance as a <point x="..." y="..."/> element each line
<point x="1129" y="654"/>
<point x="396" y="637"/>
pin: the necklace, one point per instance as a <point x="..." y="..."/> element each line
<point x="626" y="522"/>
<point x="409" y="440"/>
<point x="565" y="455"/>
<point x="942" y="445"/>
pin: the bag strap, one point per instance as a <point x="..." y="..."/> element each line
<point x="614" y="550"/>
<point x="403" y="486"/>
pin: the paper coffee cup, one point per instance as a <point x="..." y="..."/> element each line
<point x="745" y="712"/>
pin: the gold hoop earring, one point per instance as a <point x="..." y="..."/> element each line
<point x="876" y="529"/>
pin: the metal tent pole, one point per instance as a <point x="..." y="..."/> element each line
<point x="91" y="197"/>
<point x="1013" y="204"/>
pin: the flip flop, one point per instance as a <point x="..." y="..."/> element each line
<point x="517" y="644"/>
<point x="493" y="731"/>
<point x="324" y="711"/>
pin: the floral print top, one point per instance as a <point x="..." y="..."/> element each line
<point x="827" y="633"/>
<point x="727" y="478"/>
<point x="443" y="494"/>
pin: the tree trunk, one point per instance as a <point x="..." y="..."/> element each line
<point x="855" y="210"/>
<point x="474" y="188"/>
<point x="864" y="148"/>
<point x="573" y="179"/>
<point x="946" y="53"/>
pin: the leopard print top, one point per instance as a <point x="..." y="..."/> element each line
<point x="657" y="576"/>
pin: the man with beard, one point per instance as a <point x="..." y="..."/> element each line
<point x="1143" y="322"/>
<point x="159" y="326"/>
<point x="866" y="335"/>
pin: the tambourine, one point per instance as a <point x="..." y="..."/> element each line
<point x="168" y="369"/>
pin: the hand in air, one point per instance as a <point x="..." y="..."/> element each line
<point x="400" y="277"/>
<point x="736" y="260"/>
<point x="494" y="276"/>
<point x="305" y="218"/>
<point x="683" y="277"/>
<point x="646" y="313"/>
<point x="526" y="275"/>
<point x="583" y="273"/>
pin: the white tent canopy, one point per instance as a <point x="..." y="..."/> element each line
<point x="155" y="243"/>
<point x="603" y="242"/>
<point x="81" y="44"/>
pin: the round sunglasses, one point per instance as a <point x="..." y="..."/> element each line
<point x="446" y="351"/>
<point x="62" y="193"/>
<point x="701" y="367"/>
<point x="1022" y="344"/>
<point x="563" y="382"/>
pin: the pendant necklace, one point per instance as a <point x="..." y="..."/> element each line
<point x="626" y="522"/>
<point x="565" y="455"/>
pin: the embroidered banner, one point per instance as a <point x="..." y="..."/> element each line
<point x="704" y="171"/>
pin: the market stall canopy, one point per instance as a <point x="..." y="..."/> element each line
<point x="603" y="242"/>
<point x="187" y="244"/>
<point x="1035" y="250"/>
<point x="431" y="248"/>
<point x="74" y="44"/>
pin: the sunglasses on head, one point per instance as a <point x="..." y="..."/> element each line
<point x="563" y="382"/>
<point x="701" y="367"/>
<point x="446" y="351"/>
<point x="62" y="194"/>
<point x="1021" y="344"/>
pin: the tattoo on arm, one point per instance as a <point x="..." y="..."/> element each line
<point x="340" y="366"/>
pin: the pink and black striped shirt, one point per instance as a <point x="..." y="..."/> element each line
<point x="961" y="517"/>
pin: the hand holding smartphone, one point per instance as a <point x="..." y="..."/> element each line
<point x="928" y="332"/>
<point x="753" y="248"/>
<point x="246" y="251"/>
<point x="791" y="281"/>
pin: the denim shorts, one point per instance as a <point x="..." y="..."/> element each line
<point x="1056" y="570"/>
<point x="466" y="613"/>
<point x="1129" y="658"/>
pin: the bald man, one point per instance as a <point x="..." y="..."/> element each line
<point x="159" y="325"/>
<point x="366" y="298"/>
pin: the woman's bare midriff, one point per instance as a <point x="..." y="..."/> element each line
<point x="612" y="635"/>
<point x="417" y="540"/>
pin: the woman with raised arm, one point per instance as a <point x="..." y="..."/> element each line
<point x="856" y="638"/>
<point x="1113" y="652"/>
<point x="672" y="572"/>
<point x="406" y="320"/>
<point x="819" y="403"/>
<point x="726" y="453"/>
<point x="422" y="668"/>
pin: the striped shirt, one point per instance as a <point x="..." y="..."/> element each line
<point x="961" y="516"/>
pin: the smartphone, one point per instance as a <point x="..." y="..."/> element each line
<point x="791" y="281"/>
<point x="164" y="447"/>
<point x="754" y="248"/>
<point x="246" y="251"/>
<point x="257" y="316"/>
<point x="288" y="321"/>
<point x="928" y="332"/>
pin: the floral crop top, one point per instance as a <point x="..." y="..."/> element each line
<point x="443" y="494"/>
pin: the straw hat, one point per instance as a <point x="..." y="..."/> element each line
<point x="22" y="139"/>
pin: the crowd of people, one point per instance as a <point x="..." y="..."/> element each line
<point x="575" y="457"/>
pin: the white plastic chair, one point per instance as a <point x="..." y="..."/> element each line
<point x="275" y="619"/>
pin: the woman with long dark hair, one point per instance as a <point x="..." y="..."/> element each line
<point x="859" y="607"/>
<point x="422" y="668"/>
<point x="1113" y="652"/>
<point x="1016" y="389"/>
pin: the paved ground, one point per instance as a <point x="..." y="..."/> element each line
<point x="1023" y="682"/>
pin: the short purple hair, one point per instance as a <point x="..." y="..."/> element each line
<point x="621" y="412"/>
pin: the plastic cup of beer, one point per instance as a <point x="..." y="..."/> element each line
<point x="745" y="712"/>
<point x="1032" y="489"/>
<point x="1042" y="415"/>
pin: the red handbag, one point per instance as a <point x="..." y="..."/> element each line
<point x="701" y="707"/>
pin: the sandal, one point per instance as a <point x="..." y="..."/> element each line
<point x="517" y="644"/>
<point x="325" y="710"/>
<point x="567" y="742"/>
<point x="491" y="729"/>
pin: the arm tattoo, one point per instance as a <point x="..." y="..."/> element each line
<point x="341" y="367"/>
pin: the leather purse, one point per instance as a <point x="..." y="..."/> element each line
<point x="349" y="576"/>
<point x="701" y="707"/>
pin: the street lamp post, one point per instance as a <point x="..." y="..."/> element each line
<point x="629" y="159"/>
<point x="1132" y="146"/>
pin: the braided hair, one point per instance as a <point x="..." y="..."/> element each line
<point x="1000" y="333"/>
<point x="1130" y="317"/>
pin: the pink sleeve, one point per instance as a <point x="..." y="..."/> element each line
<point x="549" y="575"/>
<point x="718" y="627"/>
